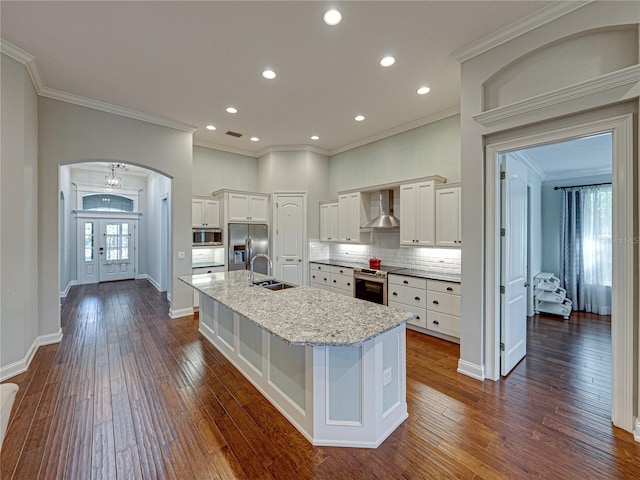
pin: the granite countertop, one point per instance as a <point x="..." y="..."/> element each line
<point x="301" y="315"/>
<point x="409" y="272"/>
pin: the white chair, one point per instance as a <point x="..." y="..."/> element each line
<point x="7" y="396"/>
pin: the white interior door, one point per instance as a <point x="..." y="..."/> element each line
<point x="514" y="264"/>
<point x="289" y="238"/>
<point x="116" y="250"/>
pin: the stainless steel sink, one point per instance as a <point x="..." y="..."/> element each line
<point x="275" y="285"/>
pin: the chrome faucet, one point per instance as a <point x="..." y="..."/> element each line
<point x="261" y="255"/>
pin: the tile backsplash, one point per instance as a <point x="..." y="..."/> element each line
<point x="386" y="246"/>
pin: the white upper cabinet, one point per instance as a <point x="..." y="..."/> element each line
<point x="329" y="222"/>
<point x="417" y="214"/>
<point x="205" y="213"/>
<point x="448" y="216"/>
<point x="352" y="213"/>
<point x="248" y="207"/>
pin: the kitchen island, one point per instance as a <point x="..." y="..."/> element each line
<point x="334" y="366"/>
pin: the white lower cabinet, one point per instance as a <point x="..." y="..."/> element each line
<point x="410" y="294"/>
<point x="443" y="307"/>
<point x="435" y="303"/>
<point x="197" y="271"/>
<point x="331" y="278"/>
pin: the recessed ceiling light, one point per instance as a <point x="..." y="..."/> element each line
<point x="387" y="61"/>
<point x="359" y="118"/>
<point x="210" y="127"/>
<point x="232" y="110"/>
<point x="332" y="17"/>
<point x="269" y="74"/>
<point x="423" y="90"/>
<point x="255" y="139"/>
<point x="315" y="137"/>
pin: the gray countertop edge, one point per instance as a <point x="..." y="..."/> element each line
<point x="410" y="316"/>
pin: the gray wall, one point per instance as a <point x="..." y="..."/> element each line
<point x="299" y="171"/>
<point x="432" y="149"/>
<point x="72" y="134"/>
<point x="19" y="290"/>
<point x="552" y="218"/>
<point x="157" y="187"/>
<point x="215" y="169"/>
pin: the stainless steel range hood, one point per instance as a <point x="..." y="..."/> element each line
<point x="386" y="218"/>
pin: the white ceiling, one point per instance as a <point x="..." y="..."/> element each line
<point x="188" y="61"/>
<point x="579" y="157"/>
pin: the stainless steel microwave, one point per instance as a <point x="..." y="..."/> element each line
<point x="207" y="236"/>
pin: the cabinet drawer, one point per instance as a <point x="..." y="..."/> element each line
<point x="444" y="287"/>
<point x="421" y="313"/>
<point x="443" y="303"/>
<point x="443" y="323"/>
<point x="341" y="270"/>
<point x="343" y="282"/>
<point x="407" y="281"/>
<point x="415" y="297"/>
<point x="320" y="277"/>
<point x="317" y="267"/>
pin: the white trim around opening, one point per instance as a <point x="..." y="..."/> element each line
<point x="623" y="290"/>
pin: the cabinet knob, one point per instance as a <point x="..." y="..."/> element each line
<point x="417" y="298"/>
<point x="313" y="276"/>
<point x="435" y="302"/>
<point x="348" y="284"/>
<point x="394" y="294"/>
<point x="335" y="281"/>
<point x="405" y="282"/>
<point x="417" y="317"/>
<point x="449" y="289"/>
<point x="341" y="271"/>
<point x="436" y="322"/>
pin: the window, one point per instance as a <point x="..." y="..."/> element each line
<point x="117" y="241"/>
<point x="107" y="203"/>
<point x="597" y="238"/>
<point x="88" y="242"/>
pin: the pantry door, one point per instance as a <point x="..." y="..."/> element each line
<point x="106" y="250"/>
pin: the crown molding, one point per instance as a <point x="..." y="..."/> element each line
<point x="520" y="27"/>
<point x="225" y="148"/>
<point x="581" y="173"/>
<point x="115" y="109"/>
<point x="292" y="148"/>
<point x="27" y="60"/>
<point x="532" y="167"/>
<point x="626" y="76"/>
<point x="450" y="112"/>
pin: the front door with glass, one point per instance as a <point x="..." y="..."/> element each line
<point x="106" y="250"/>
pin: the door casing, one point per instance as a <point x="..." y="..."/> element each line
<point x="622" y="325"/>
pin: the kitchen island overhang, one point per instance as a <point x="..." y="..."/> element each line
<point x="334" y="366"/>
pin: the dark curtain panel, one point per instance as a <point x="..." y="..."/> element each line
<point x="572" y="263"/>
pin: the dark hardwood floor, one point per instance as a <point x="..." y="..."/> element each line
<point x="130" y="393"/>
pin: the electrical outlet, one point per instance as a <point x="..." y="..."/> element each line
<point x="386" y="377"/>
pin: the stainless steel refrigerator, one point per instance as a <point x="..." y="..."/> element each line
<point x="245" y="241"/>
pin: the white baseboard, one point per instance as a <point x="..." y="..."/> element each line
<point x="183" y="312"/>
<point x="21" y="366"/>
<point x="636" y="430"/>
<point x="471" y="369"/>
<point x="72" y="283"/>
<point x="145" y="276"/>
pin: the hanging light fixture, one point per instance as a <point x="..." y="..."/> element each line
<point x="112" y="180"/>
